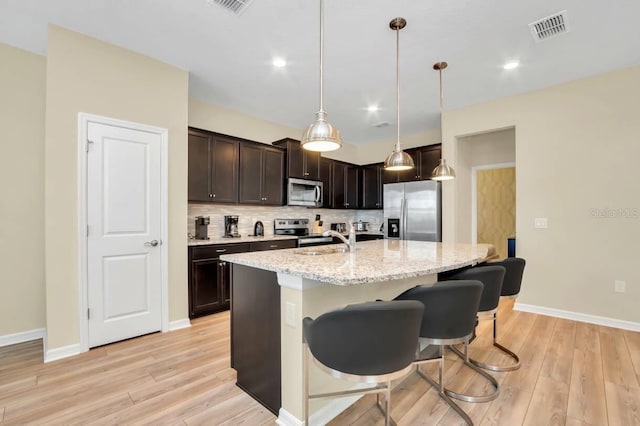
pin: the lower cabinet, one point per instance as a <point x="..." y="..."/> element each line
<point x="210" y="278"/>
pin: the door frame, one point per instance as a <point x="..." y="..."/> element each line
<point x="82" y="173"/>
<point x="474" y="194"/>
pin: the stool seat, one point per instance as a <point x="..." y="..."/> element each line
<point x="370" y="342"/>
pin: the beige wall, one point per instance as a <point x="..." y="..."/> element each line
<point x="216" y="118"/>
<point x="22" y="95"/>
<point x="577" y="151"/>
<point x="86" y="75"/>
<point x="477" y="150"/>
<point x="376" y="152"/>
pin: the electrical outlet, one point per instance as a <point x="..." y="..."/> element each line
<point x="290" y="318"/>
<point x="540" y="222"/>
<point x="619" y="286"/>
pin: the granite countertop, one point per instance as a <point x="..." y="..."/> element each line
<point x="242" y="239"/>
<point x="373" y="261"/>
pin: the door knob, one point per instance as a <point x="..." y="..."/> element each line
<point x="152" y="243"/>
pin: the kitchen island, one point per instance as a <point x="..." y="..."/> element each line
<point x="273" y="291"/>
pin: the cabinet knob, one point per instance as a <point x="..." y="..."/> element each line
<point x="210" y="195"/>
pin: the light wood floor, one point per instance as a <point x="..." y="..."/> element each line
<point x="572" y="373"/>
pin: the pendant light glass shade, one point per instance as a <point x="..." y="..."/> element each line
<point x="398" y="159"/>
<point x="321" y="135"/>
<point x="442" y="170"/>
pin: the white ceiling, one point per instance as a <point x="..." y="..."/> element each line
<point x="229" y="57"/>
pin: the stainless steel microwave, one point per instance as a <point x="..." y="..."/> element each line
<point x="304" y="192"/>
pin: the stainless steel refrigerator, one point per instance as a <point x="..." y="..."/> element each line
<point x="413" y="211"/>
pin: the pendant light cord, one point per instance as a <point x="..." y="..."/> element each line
<point x="321" y="52"/>
<point x="398" y="87"/>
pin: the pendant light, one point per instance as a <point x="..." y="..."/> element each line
<point x="398" y="159"/>
<point x="442" y="170"/>
<point x="321" y="135"/>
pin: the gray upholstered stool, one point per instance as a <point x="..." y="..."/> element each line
<point x="367" y="342"/>
<point x="493" y="278"/>
<point x="449" y="318"/>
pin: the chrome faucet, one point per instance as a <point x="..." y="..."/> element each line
<point x="351" y="242"/>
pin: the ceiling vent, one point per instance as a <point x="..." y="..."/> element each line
<point x="550" y="26"/>
<point x="381" y="124"/>
<point x="234" y="6"/>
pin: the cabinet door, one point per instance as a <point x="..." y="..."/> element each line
<point x="224" y="180"/>
<point x="389" y="176"/>
<point x="338" y="199"/>
<point x="206" y="296"/>
<point x="325" y="177"/>
<point x="272" y="177"/>
<point x="312" y="164"/>
<point x="428" y="159"/>
<point x="250" y="174"/>
<point x="411" y="174"/>
<point x="371" y="186"/>
<point x="199" y="187"/>
<point x="351" y="187"/>
<point x="295" y="160"/>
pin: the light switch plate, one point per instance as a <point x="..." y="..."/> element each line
<point x="540" y="222"/>
<point x="290" y="316"/>
<point x="619" y="286"/>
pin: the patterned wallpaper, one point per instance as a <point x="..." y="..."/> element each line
<point x="496" y="191"/>
<point x="248" y="215"/>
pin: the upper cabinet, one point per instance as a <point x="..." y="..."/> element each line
<point x="301" y="163"/>
<point x="261" y="174"/>
<point x="213" y="168"/>
<point x="344" y="186"/>
<point x="371" y="186"/>
<point x="425" y="158"/>
<point x="326" y="166"/>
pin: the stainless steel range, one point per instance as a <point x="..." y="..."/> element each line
<point x="300" y="229"/>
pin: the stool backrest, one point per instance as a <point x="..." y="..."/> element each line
<point x="450" y="308"/>
<point x="366" y="339"/>
<point x="513" y="277"/>
<point x="491" y="277"/>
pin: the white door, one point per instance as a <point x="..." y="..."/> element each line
<point x="123" y="243"/>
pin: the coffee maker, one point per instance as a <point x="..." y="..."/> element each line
<point x="231" y="226"/>
<point x="201" y="227"/>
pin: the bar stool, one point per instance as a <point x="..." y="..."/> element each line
<point x="370" y="342"/>
<point x="493" y="278"/>
<point x="449" y="318"/>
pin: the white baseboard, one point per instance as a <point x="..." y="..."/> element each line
<point x="63" y="352"/>
<point x="321" y="417"/>
<point x="178" y="324"/>
<point x="24" y="336"/>
<point x="577" y="316"/>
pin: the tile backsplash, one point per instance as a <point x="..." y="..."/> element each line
<point x="249" y="215"/>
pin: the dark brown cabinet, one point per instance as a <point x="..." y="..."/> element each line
<point x="371" y="186"/>
<point x="213" y="168"/>
<point x="344" y="186"/>
<point x="425" y="158"/>
<point x="300" y="163"/>
<point x="325" y="177"/>
<point x="261" y="174"/>
<point x="273" y="245"/>
<point x="209" y="278"/>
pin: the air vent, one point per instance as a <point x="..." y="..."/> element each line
<point x="550" y="26"/>
<point x="381" y="124"/>
<point x="234" y="6"/>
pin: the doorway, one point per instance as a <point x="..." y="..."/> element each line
<point x="123" y="230"/>
<point x="493" y="204"/>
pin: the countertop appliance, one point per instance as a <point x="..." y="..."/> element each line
<point x="258" y="229"/>
<point x="361" y="226"/>
<point x="299" y="228"/>
<point x="304" y="192"/>
<point x="413" y="211"/>
<point x="340" y="227"/>
<point x="202" y="223"/>
<point x="231" y="226"/>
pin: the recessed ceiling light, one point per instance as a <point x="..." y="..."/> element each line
<point x="511" y="65"/>
<point x="373" y="108"/>
<point x="279" y="62"/>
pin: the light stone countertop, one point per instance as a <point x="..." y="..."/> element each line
<point x="373" y="261"/>
<point x="242" y="239"/>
